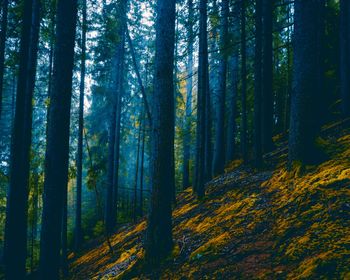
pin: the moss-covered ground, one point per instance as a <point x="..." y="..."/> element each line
<point x="253" y="224"/>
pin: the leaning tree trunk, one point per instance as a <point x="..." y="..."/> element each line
<point x="159" y="240"/>
<point x="78" y="230"/>
<point x="15" y="248"/>
<point x="219" y="155"/>
<point x="57" y="147"/>
<point x="307" y="80"/>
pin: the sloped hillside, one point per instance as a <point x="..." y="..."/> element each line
<point x="270" y="224"/>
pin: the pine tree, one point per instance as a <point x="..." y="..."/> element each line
<point x="307" y="80"/>
<point x="219" y="155"/>
<point x="159" y="230"/>
<point x="202" y="94"/>
<point x="258" y="85"/>
<point x="3" y="34"/>
<point x="15" y="248"/>
<point x="345" y="56"/>
<point x="57" y="147"/>
<point x="189" y="85"/>
<point x="78" y="230"/>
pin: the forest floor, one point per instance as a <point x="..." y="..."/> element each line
<point x="253" y="224"/>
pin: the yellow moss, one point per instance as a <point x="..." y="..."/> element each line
<point x="184" y="210"/>
<point x="233" y="165"/>
<point x="212" y="246"/>
<point x="306" y="207"/>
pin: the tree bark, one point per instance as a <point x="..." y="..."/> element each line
<point x="258" y="85"/>
<point x="159" y="240"/>
<point x="307" y="80"/>
<point x="200" y="172"/>
<point x="345" y="56"/>
<point x="15" y="248"/>
<point x="244" y="141"/>
<point x="267" y="76"/>
<point x="57" y="147"/>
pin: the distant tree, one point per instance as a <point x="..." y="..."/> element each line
<point x="78" y="230"/>
<point x="345" y="56"/>
<point x="114" y="125"/>
<point x="57" y="147"/>
<point x="233" y="92"/>
<point x="159" y="240"/>
<point x="307" y="80"/>
<point x="219" y="150"/>
<point x="15" y="248"/>
<point x="4" y="15"/>
<point x="210" y="85"/>
<point x="189" y="86"/>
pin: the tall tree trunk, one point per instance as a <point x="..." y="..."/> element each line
<point x="258" y="85"/>
<point x="211" y="82"/>
<point x="78" y="230"/>
<point x="114" y="129"/>
<point x="57" y="147"/>
<point x="2" y="48"/>
<point x="267" y="72"/>
<point x="307" y="77"/>
<point x="188" y="113"/>
<point x="232" y="104"/>
<point x="64" y="231"/>
<point x="345" y="56"/>
<point x="244" y="127"/>
<point x="142" y="169"/>
<point x="159" y="240"/>
<point x="219" y="156"/>
<point x="200" y="175"/>
<point x="137" y="169"/>
<point x="34" y="217"/>
<point x="15" y="248"/>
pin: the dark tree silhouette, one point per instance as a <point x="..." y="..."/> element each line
<point x="307" y="80"/>
<point x="56" y="160"/>
<point x="15" y="248"/>
<point x="258" y="85"/>
<point x="203" y="77"/>
<point x="244" y="126"/>
<point x="267" y="76"/>
<point x="159" y="230"/>
<point x="345" y="56"/>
